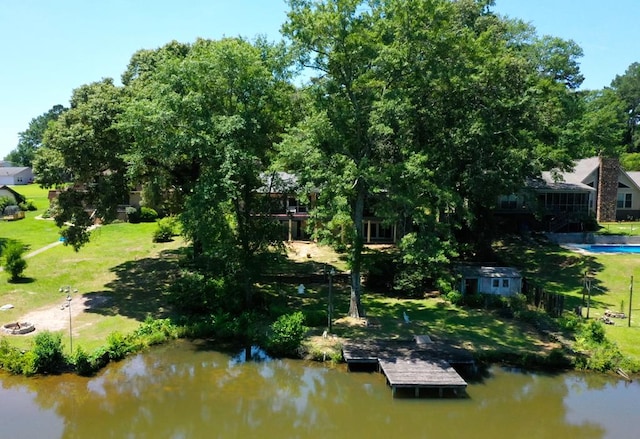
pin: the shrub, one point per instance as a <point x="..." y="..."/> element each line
<point x="286" y="335"/>
<point x="14" y="263"/>
<point x="155" y="331"/>
<point x="224" y="326"/>
<point x="592" y="332"/>
<point x="193" y="293"/>
<point x="118" y="346"/>
<point x="455" y="297"/>
<point x="28" y="205"/>
<point x="47" y="348"/>
<point x="474" y="300"/>
<point x="133" y="215"/>
<point x="83" y="363"/>
<point x="4" y="202"/>
<point x="166" y="230"/>
<point x="604" y="358"/>
<point x="148" y="215"/>
<point x="15" y="361"/>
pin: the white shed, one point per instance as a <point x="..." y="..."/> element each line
<point x="504" y="281"/>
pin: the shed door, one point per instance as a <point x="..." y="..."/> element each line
<point x="470" y="286"/>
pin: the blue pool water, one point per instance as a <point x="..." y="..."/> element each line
<point x="609" y="248"/>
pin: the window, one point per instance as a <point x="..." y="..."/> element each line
<point x="624" y="201"/>
<point x="496" y="283"/>
<point x="505" y="283"/>
<point x="509" y="202"/>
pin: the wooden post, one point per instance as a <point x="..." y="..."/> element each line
<point x="630" y="298"/>
<point x="588" y="295"/>
<point x="330" y="305"/>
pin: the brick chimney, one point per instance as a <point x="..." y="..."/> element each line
<point x="607" y="189"/>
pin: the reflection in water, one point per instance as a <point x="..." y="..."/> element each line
<point x="186" y="391"/>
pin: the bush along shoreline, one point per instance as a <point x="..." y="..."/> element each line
<point x="283" y="338"/>
<point x="287" y="336"/>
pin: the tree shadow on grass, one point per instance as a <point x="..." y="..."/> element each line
<point x="553" y="268"/>
<point x="22" y="280"/>
<point x="140" y="288"/>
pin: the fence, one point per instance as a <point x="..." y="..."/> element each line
<point x="552" y="303"/>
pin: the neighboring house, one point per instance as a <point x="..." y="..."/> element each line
<point x="596" y="186"/>
<point x="15" y="175"/>
<point x="293" y="215"/>
<point x="504" y="281"/>
<point x="134" y="200"/>
<point x="6" y="191"/>
<point x="287" y="209"/>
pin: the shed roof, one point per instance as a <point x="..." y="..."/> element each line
<point x="19" y="197"/>
<point x="486" y="271"/>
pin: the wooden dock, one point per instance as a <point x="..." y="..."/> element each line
<point x="412" y="364"/>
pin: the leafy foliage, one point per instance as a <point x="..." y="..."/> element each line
<point x="166" y="230"/>
<point x="48" y="354"/>
<point x="286" y="334"/>
<point x="15" y="361"/>
<point x="14" y="262"/>
<point x="148" y="215"/>
<point x="31" y="139"/>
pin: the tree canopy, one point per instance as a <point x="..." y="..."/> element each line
<point x="438" y="105"/>
<point x="31" y="139"/>
<point x="420" y="112"/>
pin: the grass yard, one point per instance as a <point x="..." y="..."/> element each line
<point x="121" y="273"/>
<point x="121" y="277"/>
<point x="560" y="270"/>
<point x="620" y="228"/>
<point x="33" y="232"/>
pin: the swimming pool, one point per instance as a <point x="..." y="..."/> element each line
<point x="608" y="248"/>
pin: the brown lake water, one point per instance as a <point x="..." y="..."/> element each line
<point x="184" y="390"/>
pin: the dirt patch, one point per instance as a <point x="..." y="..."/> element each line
<point x="351" y="322"/>
<point x="56" y="317"/>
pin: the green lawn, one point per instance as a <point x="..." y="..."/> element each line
<point x="121" y="266"/>
<point x="560" y="270"/>
<point x="126" y="274"/>
<point x="32" y="232"/>
<point x="620" y="228"/>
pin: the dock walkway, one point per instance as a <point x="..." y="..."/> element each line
<point x="412" y="364"/>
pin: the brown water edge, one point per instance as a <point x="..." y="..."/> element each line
<point x="186" y="390"/>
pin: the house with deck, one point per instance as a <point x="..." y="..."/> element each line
<point x="294" y="214"/>
<point x="596" y="187"/>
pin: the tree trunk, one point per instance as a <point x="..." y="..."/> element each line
<point x="355" y="307"/>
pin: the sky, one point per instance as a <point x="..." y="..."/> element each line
<point x="48" y="48"/>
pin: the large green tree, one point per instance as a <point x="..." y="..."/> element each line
<point x="340" y="41"/>
<point x="83" y="152"/>
<point x="435" y="107"/>
<point x="627" y="88"/>
<point x="30" y="139"/>
<point x="202" y="123"/>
